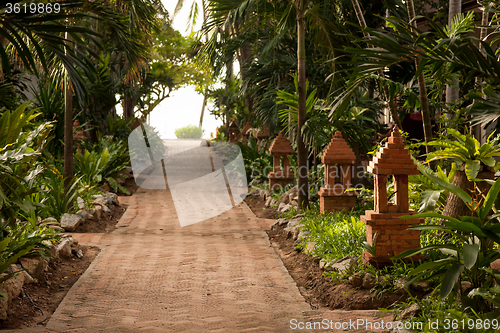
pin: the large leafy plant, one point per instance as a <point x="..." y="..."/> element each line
<point x="467" y="150"/>
<point x="474" y="249"/>
<point x="19" y="151"/>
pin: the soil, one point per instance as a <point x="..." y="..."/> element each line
<point x="129" y="185"/>
<point x="48" y="292"/>
<point x="319" y="291"/>
<point x="259" y="208"/>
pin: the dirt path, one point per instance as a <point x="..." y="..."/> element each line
<point x="219" y="275"/>
<point x="152" y="275"/>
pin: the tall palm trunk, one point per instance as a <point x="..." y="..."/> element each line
<point x="476" y="129"/>
<point x="229" y="73"/>
<point x="204" y="7"/>
<point x="424" y="102"/>
<point x="390" y="103"/>
<point x="453" y="90"/>
<point x="68" y="129"/>
<point x="303" y="183"/>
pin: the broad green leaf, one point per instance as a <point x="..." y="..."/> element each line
<point x="472" y="168"/>
<point x="450" y="279"/>
<point x="450" y="187"/>
<point x="490" y="200"/>
<point x="464" y="227"/>
<point x="430" y="214"/>
<point x="431" y="264"/>
<point x="470" y="254"/>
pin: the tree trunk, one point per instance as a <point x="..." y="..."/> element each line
<point x="453" y="90"/>
<point x="303" y="182"/>
<point x="128" y="107"/>
<point x="424" y="102"/>
<point x="477" y="130"/>
<point x="203" y="109"/>
<point x="454" y="206"/>
<point x="68" y="130"/>
<point x="229" y="77"/>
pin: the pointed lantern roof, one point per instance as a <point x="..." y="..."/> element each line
<point x="263" y="133"/>
<point x="394" y="158"/>
<point x="281" y="146"/>
<point x="246" y="128"/>
<point x="338" y="151"/>
<point x="233" y="127"/>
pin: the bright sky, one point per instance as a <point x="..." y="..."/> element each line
<point x="183" y="107"/>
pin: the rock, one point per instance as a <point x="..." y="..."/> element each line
<point x="303" y="235"/>
<point x="70" y="221"/>
<point x="39" y="220"/>
<point x="344" y="264"/>
<point x="109" y="200"/>
<point x="282" y="221"/>
<point x="100" y="200"/>
<point x="72" y="241"/>
<point x="294" y="203"/>
<point x="400" y="283"/>
<point x="254" y="182"/>
<point x="495" y="264"/>
<point x="98" y="211"/>
<point x="384" y="280"/>
<point x="309" y="247"/>
<point x="285" y="208"/>
<point x="83" y="214"/>
<point x="301" y="215"/>
<point x="409" y="313"/>
<point x="79" y="254"/>
<point x="294" y="223"/>
<point x="56" y="227"/>
<point x="421" y="286"/>
<point x="262" y="194"/>
<point x="50" y="220"/>
<point x="81" y="203"/>
<point x="369" y="281"/>
<point x="12" y="287"/>
<point x="465" y="286"/>
<point x="51" y="246"/>
<point x="325" y="264"/>
<point x="90" y="217"/>
<point x="34" y="266"/>
<point x="292" y="232"/>
<point x="64" y="249"/>
<point x="255" y="192"/>
<point x="106" y="209"/>
<point x="268" y="201"/>
<point x="355" y="280"/>
<point x="273" y="202"/>
<point x="285" y="197"/>
<point x="27" y="278"/>
<point x="114" y="198"/>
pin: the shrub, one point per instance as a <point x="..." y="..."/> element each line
<point x="189" y="132"/>
<point x="336" y="234"/>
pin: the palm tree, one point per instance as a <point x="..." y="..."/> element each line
<point x="452" y="90"/>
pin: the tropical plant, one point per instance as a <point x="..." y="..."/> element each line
<point x="20" y="242"/>
<point x="19" y="151"/>
<point x="471" y="158"/>
<point x="469" y="257"/>
<point x="58" y="198"/>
